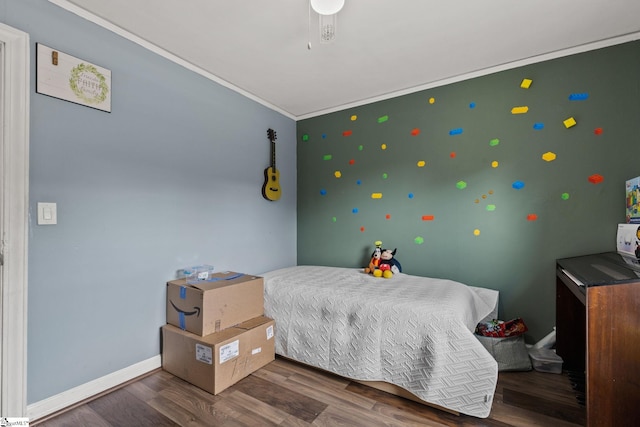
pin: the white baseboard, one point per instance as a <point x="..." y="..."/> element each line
<point x="77" y="394"/>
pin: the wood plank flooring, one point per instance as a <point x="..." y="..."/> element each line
<point x="285" y="393"/>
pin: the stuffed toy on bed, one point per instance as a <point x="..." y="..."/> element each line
<point x="375" y="259"/>
<point x="383" y="262"/>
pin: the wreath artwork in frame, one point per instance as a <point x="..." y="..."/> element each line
<point x="65" y="77"/>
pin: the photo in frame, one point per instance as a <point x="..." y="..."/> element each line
<point x="66" y="77"/>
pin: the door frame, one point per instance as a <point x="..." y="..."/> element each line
<point x="14" y="214"/>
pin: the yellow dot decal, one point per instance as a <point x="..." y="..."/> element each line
<point x="383" y="146"/>
<point x="432" y="100"/>
<point x="476" y="232"/>
<point x="354" y="118"/>
<point x="337" y="174"/>
<point x="376" y="195"/>
<point x="494" y="164"/>
<point x="421" y="163"/>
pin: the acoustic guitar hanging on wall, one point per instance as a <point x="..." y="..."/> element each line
<point x="271" y="188"/>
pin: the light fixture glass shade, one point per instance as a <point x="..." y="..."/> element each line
<point x="327" y="7"/>
<point x="328" y="26"/>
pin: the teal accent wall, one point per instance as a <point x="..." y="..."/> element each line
<point x="461" y="216"/>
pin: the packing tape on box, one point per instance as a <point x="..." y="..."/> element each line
<point x="183" y="292"/>
<point x="182" y="321"/>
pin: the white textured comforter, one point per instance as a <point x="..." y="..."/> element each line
<point x="414" y="332"/>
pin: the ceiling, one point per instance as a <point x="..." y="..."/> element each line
<point x="383" y="48"/>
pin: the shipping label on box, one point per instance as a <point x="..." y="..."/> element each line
<point x="224" y="300"/>
<point x="216" y="361"/>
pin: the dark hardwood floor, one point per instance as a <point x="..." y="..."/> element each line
<point x="285" y="393"/>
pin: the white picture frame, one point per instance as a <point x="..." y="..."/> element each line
<point x="66" y="77"/>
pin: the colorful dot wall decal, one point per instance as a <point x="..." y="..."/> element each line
<point x="362" y="229"/>
<point x="596" y="178"/>
<point x="518" y="185"/>
<point x="415" y="132"/>
<point x="334" y="219"/>
<point x="323" y="192"/>
<point x="597" y="131"/>
<point x="376" y="195"/>
<point x="494" y="164"/>
<point x="565" y="196"/>
<point x="387" y="216"/>
<point x="383" y="119"/>
<point x="354" y="118"/>
<point x="457" y="131"/>
<point x="354" y="210"/>
<point x="428" y="217"/>
<point x="324" y="136"/>
<point x="494" y="142"/>
<point x="532" y="217"/>
<point x="410" y="195"/>
<point x="360" y="147"/>
<point x="491" y="208"/>
<point x="352" y="162"/>
<point x="337" y="174"/>
<point x="385" y="176"/>
<point x="347" y="133"/>
<point x="538" y="126"/>
<point x="358" y="182"/>
<point x="452" y="154"/>
<point x="305" y="137"/>
<point x="383" y="146"/>
<point x="421" y="163"/>
<point x="327" y="157"/>
<point x="432" y="100"/>
<point x="461" y="185"/>
<point x="549" y="156"/>
<point x="419" y="240"/>
<point x="472" y="105"/>
<point x="476" y="232"/>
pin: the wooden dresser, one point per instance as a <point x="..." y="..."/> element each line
<point x="598" y="333"/>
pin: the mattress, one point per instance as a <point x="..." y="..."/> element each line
<point x="414" y="332"/>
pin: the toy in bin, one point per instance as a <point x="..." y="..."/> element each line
<point x="499" y="328"/>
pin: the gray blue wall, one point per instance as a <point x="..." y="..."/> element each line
<point x="515" y="253"/>
<point x="171" y="178"/>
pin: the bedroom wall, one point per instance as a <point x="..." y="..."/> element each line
<point x="461" y="185"/>
<point x="170" y="178"/>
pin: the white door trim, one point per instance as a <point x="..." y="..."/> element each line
<point x="14" y="150"/>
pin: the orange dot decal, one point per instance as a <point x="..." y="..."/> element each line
<point x="428" y="217"/>
<point x="532" y="217"/>
<point x="347" y="133"/>
<point x="415" y="132"/>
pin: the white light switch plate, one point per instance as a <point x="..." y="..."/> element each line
<point x="47" y="213"/>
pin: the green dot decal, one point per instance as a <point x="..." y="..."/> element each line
<point x="383" y="119"/>
<point x="327" y="157"/>
<point x="305" y="137"/>
<point x="360" y="147"/>
<point x="494" y="142"/>
<point x="461" y="185"/>
<point x="491" y="208"/>
<point x="419" y="240"/>
<point x="565" y="196"/>
<point x="334" y="219"/>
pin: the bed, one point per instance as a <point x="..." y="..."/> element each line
<point x="411" y="332"/>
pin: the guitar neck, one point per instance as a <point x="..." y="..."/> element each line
<point x="273" y="155"/>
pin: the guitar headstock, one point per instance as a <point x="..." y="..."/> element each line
<point x="271" y="134"/>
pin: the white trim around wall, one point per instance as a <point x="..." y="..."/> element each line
<point x="78" y="394"/>
<point x="14" y="155"/>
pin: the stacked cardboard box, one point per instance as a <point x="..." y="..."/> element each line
<point x="216" y="333"/>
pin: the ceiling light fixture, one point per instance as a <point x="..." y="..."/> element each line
<point x="328" y="12"/>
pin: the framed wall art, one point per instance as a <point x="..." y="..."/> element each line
<point x="65" y="77"/>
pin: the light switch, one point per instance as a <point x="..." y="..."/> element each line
<point x="47" y="213"/>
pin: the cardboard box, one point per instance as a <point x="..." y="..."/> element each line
<point x="224" y="300"/>
<point x="217" y="361"/>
